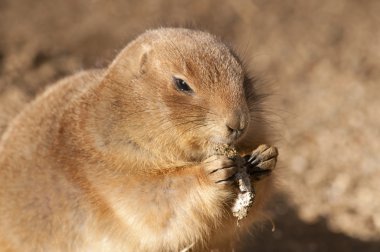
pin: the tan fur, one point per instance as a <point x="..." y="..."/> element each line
<point x="113" y="160"/>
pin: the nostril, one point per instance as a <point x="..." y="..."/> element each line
<point x="236" y="123"/>
<point x="233" y="123"/>
<point x="233" y="131"/>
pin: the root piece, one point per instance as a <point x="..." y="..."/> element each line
<point x="246" y="194"/>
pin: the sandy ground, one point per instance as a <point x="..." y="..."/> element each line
<point x="321" y="59"/>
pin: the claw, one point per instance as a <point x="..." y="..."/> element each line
<point x="253" y="170"/>
<point x="252" y="160"/>
<point x="228" y="181"/>
<point x="255" y="162"/>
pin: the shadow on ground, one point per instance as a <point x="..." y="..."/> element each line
<point x="293" y="234"/>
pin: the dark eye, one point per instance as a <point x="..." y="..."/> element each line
<point x="182" y="86"/>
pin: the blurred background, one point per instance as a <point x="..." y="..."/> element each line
<point x="321" y="59"/>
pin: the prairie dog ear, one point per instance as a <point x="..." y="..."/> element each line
<point x="144" y="61"/>
<point x="132" y="61"/>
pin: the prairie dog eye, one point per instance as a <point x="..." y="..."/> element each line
<point x="182" y="86"/>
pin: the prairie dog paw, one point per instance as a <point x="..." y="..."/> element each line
<point x="262" y="161"/>
<point x="220" y="169"/>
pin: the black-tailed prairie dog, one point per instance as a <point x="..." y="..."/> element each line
<point x="123" y="159"/>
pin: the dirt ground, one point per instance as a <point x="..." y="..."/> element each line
<point x="320" y="57"/>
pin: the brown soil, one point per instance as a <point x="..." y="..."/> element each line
<point x="321" y="57"/>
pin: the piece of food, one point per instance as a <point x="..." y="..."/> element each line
<point x="246" y="194"/>
<point x="246" y="191"/>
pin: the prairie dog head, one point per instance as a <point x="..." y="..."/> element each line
<point x="176" y="93"/>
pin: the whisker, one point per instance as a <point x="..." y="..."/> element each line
<point x="191" y="128"/>
<point x="196" y="106"/>
<point x="184" y="130"/>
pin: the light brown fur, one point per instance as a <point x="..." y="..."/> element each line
<point x="117" y="159"/>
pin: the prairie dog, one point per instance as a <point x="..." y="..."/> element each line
<point x="122" y="159"/>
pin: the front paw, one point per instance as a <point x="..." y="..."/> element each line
<point x="220" y="170"/>
<point x="262" y="161"/>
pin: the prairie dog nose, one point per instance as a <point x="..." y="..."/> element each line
<point x="236" y="122"/>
